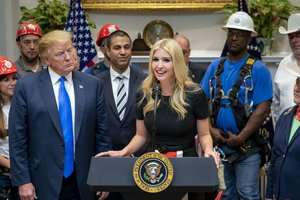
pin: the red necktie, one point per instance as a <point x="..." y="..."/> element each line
<point x="297" y="115"/>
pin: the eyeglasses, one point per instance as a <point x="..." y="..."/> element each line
<point x="63" y="54"/>
<point x="27" y="43"/>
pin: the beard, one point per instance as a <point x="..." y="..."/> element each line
<point x="29" y="59"/>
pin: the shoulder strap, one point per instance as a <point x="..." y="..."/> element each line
<point x="244" y="71"/>
<point x="218" y="78"/>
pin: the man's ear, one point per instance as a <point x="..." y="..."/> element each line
<point x="19" y="44"/>
<point x="107" y="50"/>
<point x="46" y="60"/>
<point x="249" y="39"/>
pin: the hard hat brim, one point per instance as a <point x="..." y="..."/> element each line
<point x="253" y="32"/>
<point x="282" y="30"/>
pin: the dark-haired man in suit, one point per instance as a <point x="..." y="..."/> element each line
<point x="120" y="84"/>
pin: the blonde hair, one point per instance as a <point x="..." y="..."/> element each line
<point x="182" y="82"/>
<point x="52" y="38"/>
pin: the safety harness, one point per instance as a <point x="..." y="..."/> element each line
<point x="241" y="112"/>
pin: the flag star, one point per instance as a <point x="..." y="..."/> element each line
<point x="79" y="44"/>
<point x="85" y="51"/>
<point x="86" y="43"/>
<point x="84" y="58"/>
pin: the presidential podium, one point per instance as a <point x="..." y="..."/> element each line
<point x="191" y="174"/>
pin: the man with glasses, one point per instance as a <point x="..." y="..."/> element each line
<point x="196" y="71"/>
<point x="239" y="88"/>
<point x="27" y="37"/>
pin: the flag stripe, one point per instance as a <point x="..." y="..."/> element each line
<point x="82" y="37"/>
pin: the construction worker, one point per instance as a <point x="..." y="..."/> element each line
<point x="27" y="37"/>
<point x="239" y="88"/>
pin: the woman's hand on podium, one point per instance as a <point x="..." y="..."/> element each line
<point x="213" y="154"/>
<point x="102" y="195"/>
<point x="120" y="153"/>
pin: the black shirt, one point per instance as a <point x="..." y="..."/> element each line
<point x="170" y="129"/>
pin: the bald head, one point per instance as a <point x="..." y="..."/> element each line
<point x="184" y="43"/>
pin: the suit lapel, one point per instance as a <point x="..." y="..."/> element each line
<point x="297" y="133"/>
<point x="47" y="92"/>
<point x="131" y="91"/>
<point x="108" y="93"/>
<point x="79" y="88"/>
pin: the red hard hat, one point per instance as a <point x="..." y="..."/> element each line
<point x="105" y="31"/>
<point x="29" y="28"/>
<point x="7" y="66"/>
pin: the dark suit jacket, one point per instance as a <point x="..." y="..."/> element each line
<point x="196" y="72"/>
<point x="284" y="176"/>
<point x="35" y="136"/>
<point x="121" y="132"/>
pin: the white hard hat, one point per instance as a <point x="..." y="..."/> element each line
<point x="242" y="21"/>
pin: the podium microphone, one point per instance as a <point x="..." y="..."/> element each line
<point x="156" y="95"/>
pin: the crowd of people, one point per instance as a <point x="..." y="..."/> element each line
<point x="54" y="120"/>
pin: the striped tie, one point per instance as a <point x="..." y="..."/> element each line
<point x="121" y="97"/>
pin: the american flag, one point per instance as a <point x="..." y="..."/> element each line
<point x="253" y="48"/>
<point x="82" y="37"/>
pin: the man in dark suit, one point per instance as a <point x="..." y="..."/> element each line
<point x="44" y="164"/>
<point x="196" y="71"/>
<point x="122" y="126"/>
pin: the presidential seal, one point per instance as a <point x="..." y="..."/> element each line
<point x="153" y="172"/>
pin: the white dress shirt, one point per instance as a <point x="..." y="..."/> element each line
<point x="284" y="82"/>
<point x="115" y="81"/>
<point x="70" y="90"/>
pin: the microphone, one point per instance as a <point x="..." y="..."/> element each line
<point x="156" y="92"/>
<point x="156" y="95"/>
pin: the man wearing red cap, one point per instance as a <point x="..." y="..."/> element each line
<point x="27" y="37"/>
<point x="102" y="66"/>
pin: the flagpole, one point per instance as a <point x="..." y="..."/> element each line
<point x="249" y="5"/>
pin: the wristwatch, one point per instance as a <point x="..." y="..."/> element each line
<point x="156" y="30"/>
